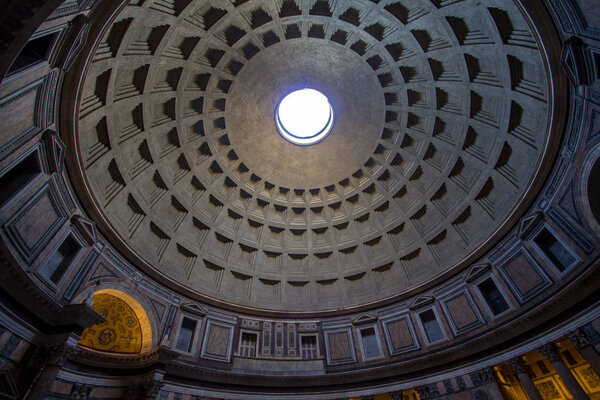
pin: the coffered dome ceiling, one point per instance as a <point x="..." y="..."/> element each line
<point x="442" y="126"/>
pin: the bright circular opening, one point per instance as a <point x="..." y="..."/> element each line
<point x="304" y="117"/>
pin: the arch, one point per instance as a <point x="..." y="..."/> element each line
<point x="127" y="329"/>
<point x="123" y="287"/>
<point x="589" y="189"/>
<point x="593" y="190"/>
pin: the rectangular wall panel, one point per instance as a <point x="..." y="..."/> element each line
<point x="523" y="274"/>
<point x="279" y="339"/>
<point x="461" y="312"/>
<point x="339" y="346"/>
<point x="20" y="120"/>
<point x="266" y="341"/>
<point x="399" y="333"/>
<point x="291" y="344"/>
<point x="218" y="340"/>
<point x="32" y="227"/>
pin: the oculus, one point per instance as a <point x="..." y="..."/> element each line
<point x="304" y="117"/>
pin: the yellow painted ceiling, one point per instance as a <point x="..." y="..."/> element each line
<point x="121" y="333"/>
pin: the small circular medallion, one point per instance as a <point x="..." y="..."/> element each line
<point x="106" y="337"/>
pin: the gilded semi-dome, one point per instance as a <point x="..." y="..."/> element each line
<point x="443" y="120"/>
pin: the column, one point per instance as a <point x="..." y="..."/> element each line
<point x="582" y="342"/>
<point x="524" y="375"/>
<point x="486" y="376"/>
<point x="43" y="382"/>
<point x="153" y="386"/>
<point x="56" y="357"/>
<point x="551" y="353"/>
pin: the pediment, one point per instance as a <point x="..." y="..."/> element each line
<point x="421" y="301"/>
<point x="476" y="271"/>
<point x="364" y="319"/>
<point x="102" y="272"/>
<point x="528" y="223"/>
<point x="87" y="228"/>
<point x="55" y="151"/>
<point x="194" y="309"/>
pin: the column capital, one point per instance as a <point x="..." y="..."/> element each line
<point x="524" y="375"/>
<point x="550" y="351"/>
<point x="519" y="366"/>
<point x="81" y="391"/>
<point x="579" y="338"/>
<point x="483" y="376"/>
<point x="423" y="392"/>
<point x="448" y="386"/>
<point x="591" y="333"/>
<point x="427" y="392"/>
<point x="396" y="395"/>
<point x="152" y="387"/>
<point x="508" y="373"/>
<point x="60" y="353"/>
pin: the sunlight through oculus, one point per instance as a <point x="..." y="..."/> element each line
<point x="304" y="117"/>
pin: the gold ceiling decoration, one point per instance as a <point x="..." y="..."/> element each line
<point x="122" y="331"/>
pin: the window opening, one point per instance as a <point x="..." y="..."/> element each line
<point x="19" y="176"/>
<point x="431" y="325"/>
<point x="309" y="347"/>
<point x="248" y="345"/>
<point x="35" y="51"/>
<point x="61" y="259"/>
<point x="555" y="250"/>
<point x="370" y="345"/>
<point x="186" y="335"/>
<point x="493" y="297"/>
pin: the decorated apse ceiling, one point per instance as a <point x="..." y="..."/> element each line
<point x="441" y="128"/>
<point x="121" y="332"/>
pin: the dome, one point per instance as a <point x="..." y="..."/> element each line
<point x="440" y="133"/>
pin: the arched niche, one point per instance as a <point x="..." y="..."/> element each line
<point x="589" y="189"/>
<point x="593" y="190"/>
<point x="127" y="328"/>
